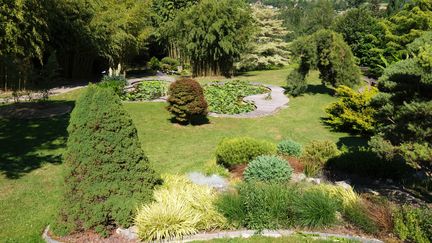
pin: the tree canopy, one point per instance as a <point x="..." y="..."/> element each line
<point x="214" y="34"/>
<point x="268" y="49"/>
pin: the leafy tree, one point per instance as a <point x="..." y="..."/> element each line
<point x="361" y="30"/>
<point x="163" y="14"/>
<point x="214" y="34"/>
<point x="305" y="17"/>
<point x="23" y="32"/>
<point x="269" y="50"/>
<point x="121" y="28"/>
<point x="107" y="173"/>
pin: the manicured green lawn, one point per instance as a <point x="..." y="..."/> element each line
<point x="176" y="148"/>
<point x="30" y="151"/>
<point x="30" y="176"/>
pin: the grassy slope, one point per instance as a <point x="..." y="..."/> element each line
<point x="30" y="151"/>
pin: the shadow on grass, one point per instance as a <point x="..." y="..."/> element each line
<point x="312" y="89"/>
<point x="25" y="144"/>
<point x="319" y="89"/>
<point x="196" y="121"/>
<point x="352" y="142"/>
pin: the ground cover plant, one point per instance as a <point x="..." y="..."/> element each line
<point x="413" y="224"/>
<point x="147" y="90"/>
<point x="286" y="239"/>
<point x="227" y="98"/>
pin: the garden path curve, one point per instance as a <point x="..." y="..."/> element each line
<point x="264" y="105"/>
<point x="159" y="76"/>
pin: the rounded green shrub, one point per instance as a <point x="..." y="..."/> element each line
<point x="154" y="64"/>
<point x="236" y="151"/>
<point x="315" y="208"/>
<point x="268" y="169"/>
<point x="107" y="173"/>
<point x="289" y="147"/>
<point x="316" y="154"/>
<point x="186" y="101"/>
<point x="169" y="64"/>
<point x="413" y="224"/>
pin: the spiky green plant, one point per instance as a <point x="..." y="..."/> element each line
<point x="181" y="208"/>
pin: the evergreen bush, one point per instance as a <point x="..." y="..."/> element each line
<point x="268" y="169"/>
<point x="186" y="101"/>
<point x="413" y="224"/>
<point x="353" y="111"/>
<point x="107" y="173"/>
<point x="154" y="64"/>
<point x="316" y="154"/>
<point x="169" y="64"/>
<point x="290" y="148"/>
<point x="235" y="151"/>
<point x="296" y="83"/>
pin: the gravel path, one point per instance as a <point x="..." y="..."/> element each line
<point x="72" y="87"/>
<point x="39" y="95"/>
<point x="264" y="106"/>
<point x="158" y="76"/>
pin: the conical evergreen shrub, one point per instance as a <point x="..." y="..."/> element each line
<point x="107" y="174"/>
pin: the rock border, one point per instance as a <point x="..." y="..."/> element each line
<point x="130" y="234"/>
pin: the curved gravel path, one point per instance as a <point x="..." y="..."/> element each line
<point x="159" y="76"/>
<point x="264" y="106"/>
